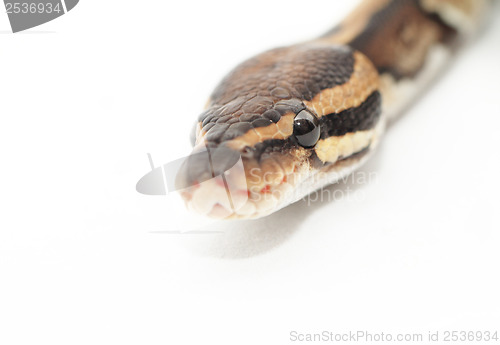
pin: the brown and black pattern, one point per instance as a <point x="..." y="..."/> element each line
<point x="252" y="110"/>
<point x="396" y="35"/>
<point x="261" y="90"/>
<point x="251" y="113"/>
<point x="351" y="120"/>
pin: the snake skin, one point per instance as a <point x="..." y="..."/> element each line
<point x="249" y="97"/>
<point x="347" y="82"/>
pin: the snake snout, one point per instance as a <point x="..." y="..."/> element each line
<point x="205" y="163"/>
<point x="213" y="182"/>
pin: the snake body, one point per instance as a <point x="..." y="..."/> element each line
<point x="294" y="119"/>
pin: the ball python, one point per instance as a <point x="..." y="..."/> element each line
<point x="294" y="119"/>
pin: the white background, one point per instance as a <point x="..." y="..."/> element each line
<point x="84" y="259"/>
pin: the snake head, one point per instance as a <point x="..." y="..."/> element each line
<point x="274" y="123"/>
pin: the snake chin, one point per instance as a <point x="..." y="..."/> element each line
<point x="230" y="196"/>
<point x="241" y="193"/>
<point x="224" y="197"/>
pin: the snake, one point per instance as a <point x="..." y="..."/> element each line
<point x="294" y="119"/>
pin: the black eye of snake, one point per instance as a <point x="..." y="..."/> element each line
<point x="306" y="129"/>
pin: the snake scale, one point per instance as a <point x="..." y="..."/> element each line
<point x="294" y="119"/>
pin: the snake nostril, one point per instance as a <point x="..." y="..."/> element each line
<point x="204" y="164"/>
<point x="247" y="151"/>
<point x="306" y="129"/>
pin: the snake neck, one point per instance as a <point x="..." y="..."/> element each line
<point x="408" y="41"/>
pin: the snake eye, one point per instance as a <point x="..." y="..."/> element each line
<point x="306" y="129"/>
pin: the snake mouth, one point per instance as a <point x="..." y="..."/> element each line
<point x="221" y="182"/>
<point x="239" y="193"/>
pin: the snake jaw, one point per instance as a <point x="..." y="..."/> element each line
<point x="249" y="189"/>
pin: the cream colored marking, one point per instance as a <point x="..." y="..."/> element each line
<point x="363" y="82"/>
<point x="463" y="15"/>
<point x="280" y="130"/>
<point x="207" y="104"/>
<point x="198" y="133"/>
<point x="333" y="148"/>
